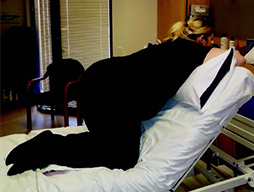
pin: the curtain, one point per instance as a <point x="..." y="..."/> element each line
<point x="43" y="27"/>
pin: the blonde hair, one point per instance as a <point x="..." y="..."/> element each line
<point x="191" y="29"/>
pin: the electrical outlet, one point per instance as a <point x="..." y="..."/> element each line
<point x="120" y="51"/>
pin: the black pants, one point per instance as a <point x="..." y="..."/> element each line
<point x="89" y="149"/>
<point x="113" y="150"/>
<point x="108" y="105"/>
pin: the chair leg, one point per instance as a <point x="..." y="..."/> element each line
<point x="52" y="112"/>
<point x="29" y="117"/>
<point x="66" y="117"/>
<point x="79" y="119"/>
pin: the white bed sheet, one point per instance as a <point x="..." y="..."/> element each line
<point x="172" y="141"/>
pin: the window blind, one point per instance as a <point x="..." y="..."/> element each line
<point x="43" y="26"/>
<point x="85" y="30"/>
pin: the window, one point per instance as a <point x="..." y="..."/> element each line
<point x="85" y="30"/>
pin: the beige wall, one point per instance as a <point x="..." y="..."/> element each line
<point x="134" y="25"/>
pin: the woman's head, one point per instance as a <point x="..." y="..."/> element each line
<point x="196" y="29"/>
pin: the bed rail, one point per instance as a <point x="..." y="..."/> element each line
<point x="240" y="129"/>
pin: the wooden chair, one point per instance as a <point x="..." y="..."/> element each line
<point x="64" y="78"/>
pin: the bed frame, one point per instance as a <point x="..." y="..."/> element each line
<point x="241" y="130"/>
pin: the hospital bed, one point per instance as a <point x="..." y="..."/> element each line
<point x="170" y="146"/>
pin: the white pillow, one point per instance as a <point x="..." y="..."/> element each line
<point x="204" y="76"/>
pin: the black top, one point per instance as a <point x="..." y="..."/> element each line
<point x="138" y="85"/>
